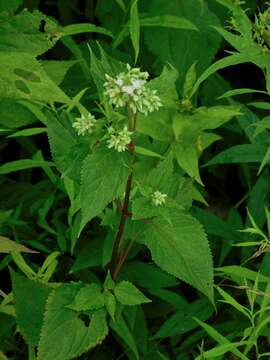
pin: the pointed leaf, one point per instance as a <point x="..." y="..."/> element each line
<point x="89" y="297"/>
<point x="127" y="294"/>
<point x="30" y="298"/>
<point x="180" y="247"/>
<point x="64" y="335"/>
<point x="104" y="176"/>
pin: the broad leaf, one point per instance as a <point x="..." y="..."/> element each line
<point x="104" y="176"/>
<point x="180" y="47"/>
<point x="180" y="247"/>
<point x="30" y="298"/>
<point x="59" y="320"/>
<point x="89" y="297"/>
<point x="22" y="76"/>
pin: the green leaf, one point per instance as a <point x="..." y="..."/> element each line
<point x="74" y="29"/>
<point x="30" y="298"/>
<point x="261" y="126"/>
<point x="11" y="5"/>
<point x="89" y="297"/>
<point x="182" y="321"/>
<point x="234" y="59"/>
<point x="104" y="176"/>
<point x="220" y="339"/>
<point x="143" y="151"/>
<point x="231" y="301"/>
<point x="8" y="246"/>
<point x="246" y="153"/>
<point x="23" y="164"/>
<point x="20" y="33"/>
<point x="180" y="247"/>
<point x="221" y="350"/>
<point x="134" y="28"/>
<point x="242" y="91"/>
<point x="67" y="151"/>
<point x="14" y="114"/>
<point x="28" y="132"/>
<point x="89" y="255"/>
<point x="182" y="47"/>
<point x="188" y="158"/>
<point x="22" y="77"/>
<point x="127" y="294"/>
<point x="110" y="304"/>
<point x="59" y="320"/>
<point x="122" y="330"/>
<point x="135" y="272"/>
<point x="169" y="21"/>
<point x="265" y="160"/>
<point x="56" y="69"/>
<point x="189" y="80"/>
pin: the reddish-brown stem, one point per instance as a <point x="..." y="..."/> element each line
<point x="124" y="215"/>
<point x="122" y="259"/>
<point x="119" y="240"/>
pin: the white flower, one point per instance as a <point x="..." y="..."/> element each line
<point x="137" y="83"/>
<point x="119" y="140"/>
<point x="84" y="124"/>
<point x="158" y="198"/>
<point x="129" y="88"/>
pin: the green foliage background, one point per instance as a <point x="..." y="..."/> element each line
<point x="187" y="280"/>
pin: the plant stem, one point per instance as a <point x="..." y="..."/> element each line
<point x="124" y="215"/>
<point x="118" y="262"/>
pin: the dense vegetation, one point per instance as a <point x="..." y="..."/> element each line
<point x="134" y="207"/>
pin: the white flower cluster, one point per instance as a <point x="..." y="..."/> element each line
<point x="84" y="124"/>
<point x="158" y="198"/>
<point x="129" y="88"/>
<point x="119" y="139"/>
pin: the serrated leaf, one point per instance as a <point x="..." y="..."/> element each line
<point x="180" y="247"/>
<point x="110" y="304"/>
<point x="104" y="176"/>
<point x="30" y="298"/>
<point x="127" y="294"/>
<point x="21" y="33"/>
<point x="89" y="297"/>
<point x="59" y="320"/>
